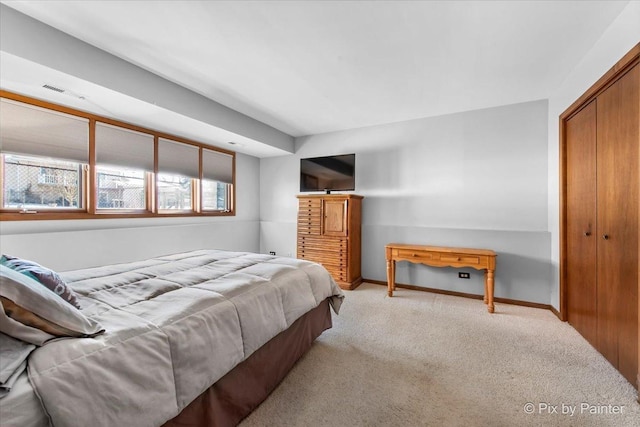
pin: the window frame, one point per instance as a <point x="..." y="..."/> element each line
<point x="89" y="186"/>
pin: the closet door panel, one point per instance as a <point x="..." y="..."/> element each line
<point x="581" y="222"/>
<point x="617" y="219"/>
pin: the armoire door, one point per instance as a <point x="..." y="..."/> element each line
<point x="617" y="218"/>
<point x="335" y="217"/>
<point x="581" y="222"/>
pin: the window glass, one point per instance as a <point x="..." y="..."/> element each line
<point x="34" y="183"/>
<point x="215" y="196"/>
<point x="121" y="188"/>
<point x="174" y="192"/>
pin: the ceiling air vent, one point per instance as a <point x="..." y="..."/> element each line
<point x="53" y="88"/>
<point x="64" y="91"/>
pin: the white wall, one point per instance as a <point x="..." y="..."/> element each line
<point x="33" y="41"/>
<point x="475" y="179"/>
<point x="617" y="40"/>
<point x="72" y="244"/>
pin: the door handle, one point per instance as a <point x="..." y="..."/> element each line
<point x="605" y="236"/>
<point x="587" y="233"/>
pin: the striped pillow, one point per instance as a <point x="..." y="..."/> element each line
<point x="33" y="313"/>
<point x="43" y="275"/>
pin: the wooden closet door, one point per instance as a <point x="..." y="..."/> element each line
<point x="617" y="174"/>
<point x="581" y="222"/>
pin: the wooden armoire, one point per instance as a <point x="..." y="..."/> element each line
<point x="600" y="163"/>
<point x="329" y="233"/>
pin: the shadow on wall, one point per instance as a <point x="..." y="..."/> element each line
<point x="513" y="271"/>
<point x="377" y="173"/>
<point x="72" y="250"/>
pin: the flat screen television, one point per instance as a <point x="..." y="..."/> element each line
<point x="328" y="173"/>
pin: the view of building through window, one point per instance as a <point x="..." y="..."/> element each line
<point x="40" y="183"/>
<point x="215" y="196"/>
<point x="120" y="188"/>
<point x="174" y="192"/>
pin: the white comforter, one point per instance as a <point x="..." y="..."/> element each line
<point x="174" y="326"/>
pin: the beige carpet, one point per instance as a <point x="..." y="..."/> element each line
<point x="422" y="359"/>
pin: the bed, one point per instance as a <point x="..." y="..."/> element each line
<point x="191" y="339"/>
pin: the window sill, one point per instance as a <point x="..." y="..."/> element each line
<point x="47" y="216"/>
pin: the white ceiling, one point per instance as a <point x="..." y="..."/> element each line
<point x="308" y="67"/>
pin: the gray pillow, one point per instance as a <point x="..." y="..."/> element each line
<point x="47" y="277"/>
<point x="33" y="313"/>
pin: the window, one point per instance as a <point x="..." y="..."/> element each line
<point x="124" y="162"/>
<point x="43" y="153"/>
<point x="178" y="166"/>
<point x="33" y="183"/>
<point x="56" y="162"/>
<point x="217" y="181"/>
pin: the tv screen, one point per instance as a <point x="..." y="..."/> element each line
<point x="329" y="173"/>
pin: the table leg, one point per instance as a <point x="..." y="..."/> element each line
<point x="490" y="285"/>
<point x="391" y="277"/>
<point x="486" y="286"/>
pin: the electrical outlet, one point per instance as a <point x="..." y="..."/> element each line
<point x="462" y="275"/>
<point x="272" y="252"/>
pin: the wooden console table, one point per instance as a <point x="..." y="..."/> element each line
<point x="437" y="256"/>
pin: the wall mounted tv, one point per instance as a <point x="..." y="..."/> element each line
<point x="329" y="173"/>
